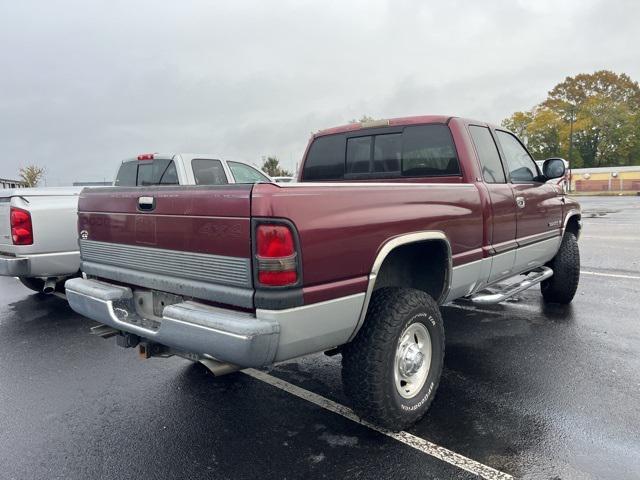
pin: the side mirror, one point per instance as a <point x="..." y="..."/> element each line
<point x="553" y="168"/>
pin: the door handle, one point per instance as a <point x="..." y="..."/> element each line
<point x="520" y="202"/>
<point x="146" y="204"/>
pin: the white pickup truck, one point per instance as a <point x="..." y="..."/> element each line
<point x="38" y="226"/>
<point x="38" y="240"/>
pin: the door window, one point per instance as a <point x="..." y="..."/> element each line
<point x="243" y="173"/>
<point x="522" y="168"/>
<point x="492" y="170"/>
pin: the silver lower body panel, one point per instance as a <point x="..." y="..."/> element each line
<point x="475" y="276"/>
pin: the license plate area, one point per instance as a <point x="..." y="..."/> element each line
<point x="162" y="300"/>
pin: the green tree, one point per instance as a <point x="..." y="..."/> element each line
<point x="271" y="166"/>
<point x="573" y="92"/>
<point x="519" y="123"/>
<point x="593" y="118"/>
<point x="541" y="130"/>
<point x="31" y="175"/>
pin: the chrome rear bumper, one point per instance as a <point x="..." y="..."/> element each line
<point x="14" y="266"/>
<point x="227" y="335"/>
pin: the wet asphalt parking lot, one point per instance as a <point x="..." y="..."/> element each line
<point x="529" y="390"/>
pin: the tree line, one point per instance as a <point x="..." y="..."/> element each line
<point x="592" y="120"/>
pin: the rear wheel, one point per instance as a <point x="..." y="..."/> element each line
<point x="392" y="368"/>
<point x="562" y="286"/>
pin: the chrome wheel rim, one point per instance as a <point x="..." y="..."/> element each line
<point x="412" y="360"/>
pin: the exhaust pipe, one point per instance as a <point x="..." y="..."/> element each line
<point x="219" y="368"/>
<point x="49" y="286"/>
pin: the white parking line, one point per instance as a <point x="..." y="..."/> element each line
<point x="613" y="275"/>
<point x="408" y="439"/>
<point x="622" y="238"/>
<point x="608" y="224"/>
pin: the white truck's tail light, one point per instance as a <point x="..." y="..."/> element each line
<point x="21" y="228"/>
<point x="276" y="256"/>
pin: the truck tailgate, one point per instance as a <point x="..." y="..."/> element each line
<point x="192" y="240"/>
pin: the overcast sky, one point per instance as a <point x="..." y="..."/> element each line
<point x="84" y="84"/>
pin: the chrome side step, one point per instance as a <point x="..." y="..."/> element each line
<point x="533" y="278"/>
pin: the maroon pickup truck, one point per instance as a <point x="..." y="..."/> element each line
<point x="388" y="220"/>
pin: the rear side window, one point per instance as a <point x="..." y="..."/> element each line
<point x="243" y="173"/>
<point x="147" y="172"/>
<point x="428" y="151"/>
<point x="416" y="151"/>
<point x="492" y="170"/>
<point x="208" y="172"/>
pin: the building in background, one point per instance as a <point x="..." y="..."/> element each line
<point x="7" y="183"/>
<point x="605" y="179"/>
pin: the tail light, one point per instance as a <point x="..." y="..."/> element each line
<point x="21" y="228"/>
<point x="276" y="256"/>
<point x="145" y="156"/>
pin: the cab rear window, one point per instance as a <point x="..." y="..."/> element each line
<point x="326" y="158"/>
<point x="146" y="173"/>
<point x="413" y="151"/>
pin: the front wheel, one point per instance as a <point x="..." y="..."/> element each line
<point x="562" y="286"/>
<point x="392" y="368"/>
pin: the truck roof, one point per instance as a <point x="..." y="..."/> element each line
<point x="170" y="156"/>
<point x="400" y="121"/>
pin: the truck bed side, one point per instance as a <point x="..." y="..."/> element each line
<point x="343" y="226"/>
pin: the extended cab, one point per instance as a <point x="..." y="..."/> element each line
<point x="387" y="221"/>
<point x="38" y="226"/>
